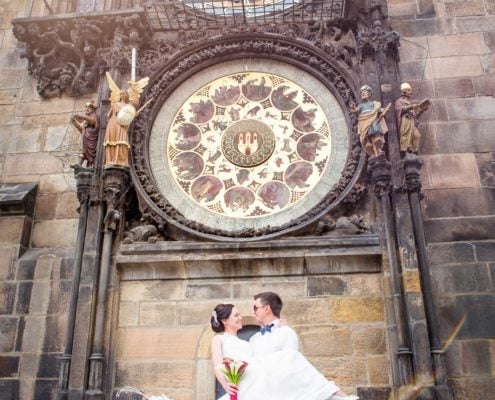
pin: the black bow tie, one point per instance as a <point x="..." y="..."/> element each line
<point x="267" y="328"/>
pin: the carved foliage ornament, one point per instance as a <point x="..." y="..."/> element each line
<point x="155" y="204"/>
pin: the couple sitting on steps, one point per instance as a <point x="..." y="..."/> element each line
<point x="276" y="369"/>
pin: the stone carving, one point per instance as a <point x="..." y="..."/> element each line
<point x="68" y="54"/>
<point x="352" y="225"/>
<point x="372" y="127"/>
<point x="88" y="125"/>
<point x="142" y="233"/>
<point x="407" y="114"/>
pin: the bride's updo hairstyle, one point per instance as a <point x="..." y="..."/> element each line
<point x="221" y="312"/>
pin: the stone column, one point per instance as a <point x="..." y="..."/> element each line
<point x="115" y="187"/>
<point x="83" y="178"/>
<point x="412" y="167"/>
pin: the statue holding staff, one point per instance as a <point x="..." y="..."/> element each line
<point x="371" y="123"/>
<point x="88" y="126"/>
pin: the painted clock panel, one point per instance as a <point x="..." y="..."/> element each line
<point x="243" y="145"/>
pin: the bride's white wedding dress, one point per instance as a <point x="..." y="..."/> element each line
<point x="281" y="375"/>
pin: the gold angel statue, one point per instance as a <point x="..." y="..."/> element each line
<point x="122" y="112"/>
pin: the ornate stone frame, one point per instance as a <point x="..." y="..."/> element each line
<point x="216" y="50"/>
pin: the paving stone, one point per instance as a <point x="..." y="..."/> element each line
<point x="444" y="203"/>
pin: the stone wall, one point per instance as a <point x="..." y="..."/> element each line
<point x="447" y="53"/>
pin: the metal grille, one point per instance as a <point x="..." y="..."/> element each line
<point x="194" y="14"/>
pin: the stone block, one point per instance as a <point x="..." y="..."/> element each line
<point x="26" y="164"/>
<point x="151" y="290"/>
<point x="378" y="369"/>
<point x="20" y="139"/>
<point x="486" y="165"/>
<point x="399" y="10"/>
<point x="45" y="389"/>
<point x="459" y="229"/>
<point x="56" y="325"/>
<point x="40" y="298"/>
<point x="488" y="63"/>
<point x="197" y="313"/>
<point x="368" y="340"/>
<point x="25" y="269"/>
<point x="326" y="285"/>
<point x="471" y="108"/>
<point x="489" y="38"/>
<point x="7" y="297"/>
<point x="467" y="278"/>
<point x="414" y="70"/>
<point x="8" y="96"/>
<point x="344" y="370"/>
<point x="471" y="314"/>
<point x="11" y="78"/>
<point x="67" y="205"/>
<point x="174" y="374"/>
<point x="45" y="265"/>
<point x="59" y="297"/>
<point x="474" y="24"/>
<point x="49" y="366"/>
<point x="12" y="229"/>
<point x="319" y="341"/>
<point x="457" y="45"/>
<point x="411" y="281"/>
<point x="465" y="8"/>
<point x="23" y="297"/>
<point x="342" y="264"/>
<point x="460" y="87"/>
<point x="9" y="389"/>
<point x="66" y="266"/>
<point x="58" y="137"/>
<point x="291" y="288"/>
<point x="55" y="233"/>
<point x="48" y="119"/>
<point x="57" y="183"/>
<point x="452" y="137"/>
<point x="45" y="206"/>
<point x="307" y="311"/>
<point x="8" y="327"/>
<point x="7" y="258"/>
<point x="485" y="251"/>
<point x="196" y="291"/>
<point x="424" y="27"/>
<point x="452" y="170"/>
<point x="450" y="253"/>
<point x="357" y="310"/>
<point x="9" y="366"/>
<point x="456" y="67"/>
<point x="158" y="314"/>
<point x="484" y="85"/>
<point x="62" y="105"/>
<point x="413" y="49"/>
<point x="128" y="313"/>
<point x="365" y="284"/>
<point x="155" y="343"/>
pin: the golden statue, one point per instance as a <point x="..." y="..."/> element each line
<point x="122" y="112"/>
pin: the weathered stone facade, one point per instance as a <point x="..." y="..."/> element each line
<point x="360" y="323"/>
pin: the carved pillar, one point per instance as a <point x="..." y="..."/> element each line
<point x="83" y="178"/>
<point x="115" y="187"/>
<point x="381" y="176"/>
<point x="412" y="168"/>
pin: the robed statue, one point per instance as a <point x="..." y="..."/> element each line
<point x="371" y="122"/>
<point x="123" y="110"/>
<point x="88" y="126"/>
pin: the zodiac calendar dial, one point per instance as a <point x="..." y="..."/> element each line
<point x="248" y="145"/>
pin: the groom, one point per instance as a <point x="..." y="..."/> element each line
<point x="272" y="336"/>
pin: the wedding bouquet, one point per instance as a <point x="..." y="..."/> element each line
<point x="233" y="370"/>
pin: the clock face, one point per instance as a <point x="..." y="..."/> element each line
<point x="246" y="147"/>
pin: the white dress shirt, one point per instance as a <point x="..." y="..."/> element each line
<point x="280" y="338"/>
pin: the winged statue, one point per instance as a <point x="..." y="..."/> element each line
<point x="123" y="110"/>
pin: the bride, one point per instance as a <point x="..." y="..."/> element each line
<point x="280" y="375"/>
